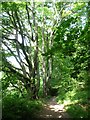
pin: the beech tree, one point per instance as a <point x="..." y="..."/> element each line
<point x="27" y="33"/>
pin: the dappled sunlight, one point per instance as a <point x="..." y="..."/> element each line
<point x="70" y="102"/>
<point x="48" y="115"/>
<point x="51" y="116"/>
<point x="60" y="116"/>
<point x="57" y="108"/>
<point x="53" y="110"/>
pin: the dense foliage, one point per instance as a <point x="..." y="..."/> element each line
<point x="45" y="53"/>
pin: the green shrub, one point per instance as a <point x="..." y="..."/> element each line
<point x="15" y="108"/>
<point x="76" y="111"/>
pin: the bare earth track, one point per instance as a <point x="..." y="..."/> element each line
<point x="53" y="110"/>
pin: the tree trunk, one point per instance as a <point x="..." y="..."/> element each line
<point x="35" y="74"/>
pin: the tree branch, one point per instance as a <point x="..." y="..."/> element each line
<point x="24" y="52"/>
<point x="12" y="70"/>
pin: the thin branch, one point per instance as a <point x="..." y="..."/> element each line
<point x="11" y="51"/>
<point x="20" y="27"/>
<point x="12" y="70"/>
<point x="24" y="52"/>
<point x="30" y="24"/>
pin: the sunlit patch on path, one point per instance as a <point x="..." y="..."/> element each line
<point x="56" y="108"/>
<point x="53" y="110"/>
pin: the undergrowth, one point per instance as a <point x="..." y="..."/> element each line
<point x="75" y="102"/>
<point x="15" y="108"/>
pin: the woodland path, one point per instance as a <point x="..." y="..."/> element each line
<point x="52" y="109"/>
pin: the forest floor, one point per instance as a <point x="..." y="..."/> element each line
<point x="51" y="109"/>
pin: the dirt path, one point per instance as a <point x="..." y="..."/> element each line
<point x="53" y="110"/>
